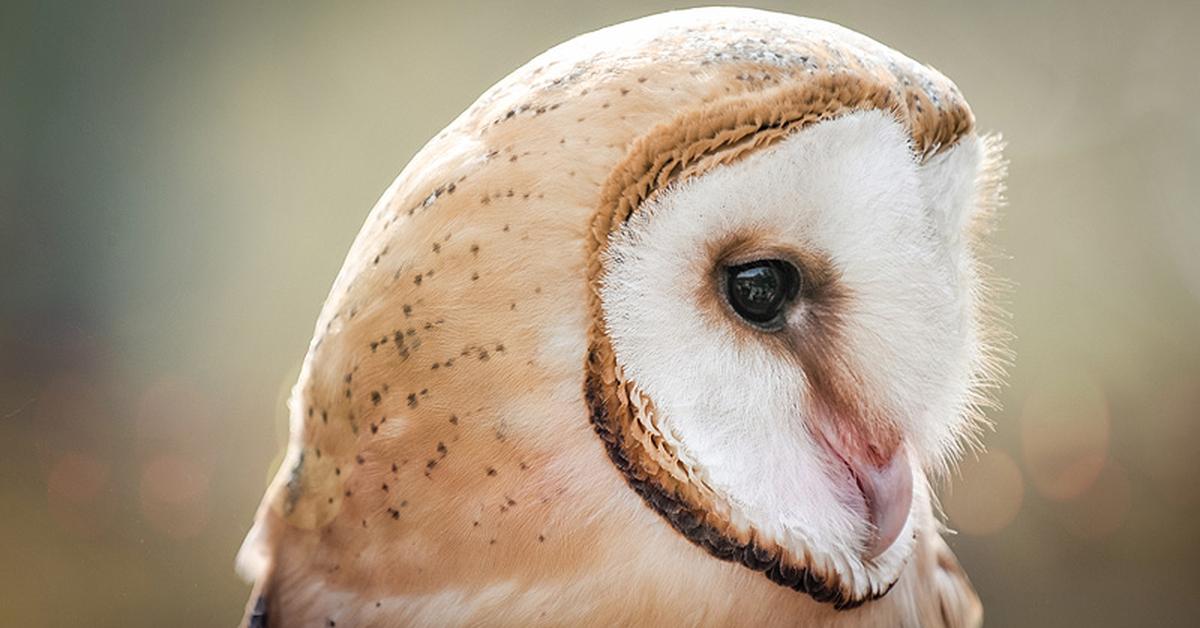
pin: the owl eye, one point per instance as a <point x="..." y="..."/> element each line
<point x="760" y="291"/>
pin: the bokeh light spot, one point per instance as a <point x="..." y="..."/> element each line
<point x="174" y="413"/>
<point x="988" y="496"/>
<point x="1100" y="511"/>
<point x="1064" y="435"/>
<point x="77" y="477"/>
<point x="174" y="496"/>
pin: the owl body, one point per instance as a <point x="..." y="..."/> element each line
<point x="527" y="402"/>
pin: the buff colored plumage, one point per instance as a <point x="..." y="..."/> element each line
<point x="443" y="467"/>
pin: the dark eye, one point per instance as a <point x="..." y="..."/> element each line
<point x="760" y="291"/>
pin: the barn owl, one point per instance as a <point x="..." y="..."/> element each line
<point x="676" y="325"/>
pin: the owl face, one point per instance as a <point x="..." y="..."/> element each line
<point x="797" y="337"/>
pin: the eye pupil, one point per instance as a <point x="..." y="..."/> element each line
<point x="760" y="291"/>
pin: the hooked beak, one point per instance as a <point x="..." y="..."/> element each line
<point x="883" y="477"/>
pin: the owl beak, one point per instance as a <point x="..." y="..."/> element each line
<point x="885" y="479"/>
<point x="888" y="493"/>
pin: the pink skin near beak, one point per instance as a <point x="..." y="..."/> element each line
<point x="885" y="480"/>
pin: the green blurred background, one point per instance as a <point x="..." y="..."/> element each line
<point x="180" y="181"/>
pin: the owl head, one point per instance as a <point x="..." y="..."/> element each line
<point x="715" y="274"/>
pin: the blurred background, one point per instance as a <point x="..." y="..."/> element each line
<point x="180" y="181"/>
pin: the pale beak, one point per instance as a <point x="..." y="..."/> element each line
<point x="885" y="479"/>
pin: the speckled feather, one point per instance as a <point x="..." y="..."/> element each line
<point x="442" y="467"/>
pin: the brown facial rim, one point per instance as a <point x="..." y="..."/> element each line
<point x="723" y="133"/>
